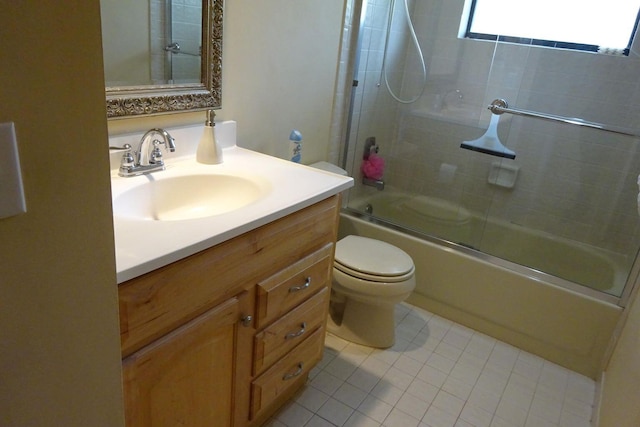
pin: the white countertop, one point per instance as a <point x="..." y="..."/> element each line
<point x="145" y="245"/>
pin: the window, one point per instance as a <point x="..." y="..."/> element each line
<point x="573" y="24"/>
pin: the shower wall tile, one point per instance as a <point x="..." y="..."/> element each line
<point x="575" y="183"/>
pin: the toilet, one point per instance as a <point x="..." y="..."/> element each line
<point x="369" y="278"/>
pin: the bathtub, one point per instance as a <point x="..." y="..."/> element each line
<point x="569" y="261"/>
<point x="561" y="324"/>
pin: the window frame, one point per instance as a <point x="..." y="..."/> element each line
<point x="541" y="42"/>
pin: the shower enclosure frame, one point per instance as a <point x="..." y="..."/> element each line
<point x="346" y="160"/>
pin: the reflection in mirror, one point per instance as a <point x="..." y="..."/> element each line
<point x="155" y="42"/>
<point x="161" y="55"/>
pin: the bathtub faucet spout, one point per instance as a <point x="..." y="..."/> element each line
<point x="377" y="183"/>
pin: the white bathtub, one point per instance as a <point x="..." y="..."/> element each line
<point x="559" y="324"/>
<point x="568" y="260"/>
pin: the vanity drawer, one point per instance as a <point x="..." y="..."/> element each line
<point x="289" y="331"/>
<point x="284" y="374"/>
<point x="289" y="287"/>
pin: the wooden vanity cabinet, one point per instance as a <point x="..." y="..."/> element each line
<point x="191" y="367"/>
<point x="225" y="336"/>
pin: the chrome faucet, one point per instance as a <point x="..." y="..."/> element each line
<point x="147" y="157"/>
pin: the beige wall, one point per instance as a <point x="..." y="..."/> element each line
<point x="280" y="63"/>
<point x="59" y="343"/>
<point x="126" y="42"/>
<point x="621" y="391"/>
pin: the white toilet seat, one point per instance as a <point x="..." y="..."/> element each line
<point x="371" y="259"/>
<point x="371" y="277"/>
<point x="375" y="292"/>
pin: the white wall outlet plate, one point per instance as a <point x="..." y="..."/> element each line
<point x="11" y="191"/>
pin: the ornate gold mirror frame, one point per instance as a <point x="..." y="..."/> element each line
<point x="157" y="99"/>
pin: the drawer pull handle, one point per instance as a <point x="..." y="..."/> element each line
<point x="298" y="371"/>
<point x="307" y="283"/>
<point x="303" y="327"/>
<point x="246" y="320"/>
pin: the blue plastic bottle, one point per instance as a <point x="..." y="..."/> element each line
<point x="295" y="146"/>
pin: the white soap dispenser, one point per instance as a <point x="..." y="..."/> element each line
<point x="209" y="150"/>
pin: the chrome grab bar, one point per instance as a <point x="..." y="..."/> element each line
<point x="500" y="106"/>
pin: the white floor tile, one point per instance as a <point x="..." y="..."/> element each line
<point x="340" y="367"/>
<point x="364" y="379"/>
<point x="350" y="395"/>
<point x="387" y="392"/>
<point x="398" y="378"/>
<point x="398" y="418"/>
<point x="294" y="415"/>
<point x="317" y="421"/>
<point x="311" y="398"/>
<point x="423" y="391"/>
<point x="436" y="417"/>
<point x="432" y="375"/>
<point x="545" y="408"/>
<point x="375" y="408"/>
<point x="412" y="405"/>
<point x="336" y="412"/>
<point x="476" y="416"/>
<point x="457" y="388"/>
<point x="408" y="365"/>
<point x="441" y="363"/>
<point x="512" y="412"/>
<point x="485" y="400"/>
<point x="358" y="419"/>
<point x="437" y="374"/>
<point x="326" y="382"/>
<point x="448" y="403"/>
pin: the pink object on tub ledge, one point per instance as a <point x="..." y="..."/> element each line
<point x="373" y="166"/>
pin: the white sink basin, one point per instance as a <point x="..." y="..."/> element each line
<point x="169" y="215"/>
<point x="186" y="197"/>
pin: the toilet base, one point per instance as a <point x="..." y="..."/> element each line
<point x="366" y="324"/>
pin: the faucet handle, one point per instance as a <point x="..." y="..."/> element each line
<point x="156" y="154"/>
<point x="125" y="147"/>
<point x="126" y="163"/>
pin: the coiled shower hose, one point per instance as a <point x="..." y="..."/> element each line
<point x="417" y="45"/>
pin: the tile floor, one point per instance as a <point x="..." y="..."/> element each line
<point x="438" y="374"/>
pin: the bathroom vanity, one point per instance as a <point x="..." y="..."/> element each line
<point x="225" y="335"/>
<point x="228" y="331"/>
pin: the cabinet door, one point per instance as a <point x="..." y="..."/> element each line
<point x="186" y="377"/>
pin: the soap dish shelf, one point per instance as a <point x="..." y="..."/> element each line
<point x="503" y="175"/>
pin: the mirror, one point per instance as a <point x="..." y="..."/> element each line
<point x="163" y="56"/>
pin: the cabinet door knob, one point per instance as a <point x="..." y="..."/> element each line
<point x="303" y="327"/>
<point x="294" y="374"/>
<point x="246" y="320"/>
<point x="307" y="283"/>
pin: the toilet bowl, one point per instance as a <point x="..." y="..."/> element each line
<point x="369" y="278"/>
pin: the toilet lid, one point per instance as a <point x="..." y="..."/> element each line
<point x="372" y="257"/>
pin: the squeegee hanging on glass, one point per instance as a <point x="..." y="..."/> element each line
<point x="489" y="143"/>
